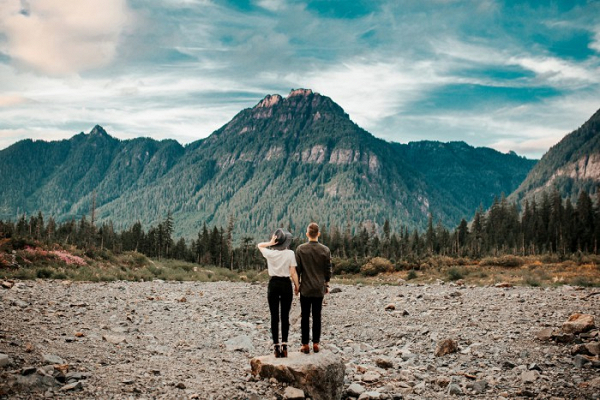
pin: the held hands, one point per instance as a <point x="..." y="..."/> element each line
<point x="296" y="290"/>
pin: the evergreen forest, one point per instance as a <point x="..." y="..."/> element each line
<point x="552" y="225"/>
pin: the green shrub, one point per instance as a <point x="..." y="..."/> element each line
<point x="412" y="274"/>
<point x="582" y="281"/>
<point x="532" y="281"/>
<point x="44" y="273"/>
<point x="455" y="274"/>
<point x="345" y="266"/>
<point x="376" y="266"/>
<point x="504" y="261"/>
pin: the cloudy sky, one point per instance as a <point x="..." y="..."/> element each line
<point x="512" y="75"/>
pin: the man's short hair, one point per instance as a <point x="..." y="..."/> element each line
<point x="313" y="230"/>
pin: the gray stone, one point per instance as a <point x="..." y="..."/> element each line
<point x="292" y="393"/>
<point x="28" y="370"/>
<point x="4" y="360"/>
<point x="114" y="339"/>
<point x="320" y="375"/>
<point x="593" y="348"/>
<point x="529" y="376"/>
<point x="578" y="323"/>
<point x="20" y="303"/>
<point x="384" y="363"/>
<point x="545" y="334"/>
<point x="52" y="359"/>
<point x="371" y="376"/>
<point x="372" y="395"/>
<point x="72" y="386"/>
<point x="580" y="361"/>
<point x="355" y="390"/>
<point x="335" y="290"/>
<point x="478" y="387"/>
<point x="454" y="390"/>
<point x="240" y="343"/>
<point x="446" y="346"/>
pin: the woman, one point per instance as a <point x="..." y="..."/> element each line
<point x="281" y="263"/>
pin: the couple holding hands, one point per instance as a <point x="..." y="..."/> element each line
<point x="309" y="268"/>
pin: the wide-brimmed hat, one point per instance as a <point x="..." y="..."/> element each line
<point x="284" y="238"/>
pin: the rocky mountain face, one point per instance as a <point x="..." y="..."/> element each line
<point x="284" y="162"/>
<point x="570" y="166"/>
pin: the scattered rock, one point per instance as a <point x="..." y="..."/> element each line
<point x="292" y="393"/>
<point x="355" y="390"/>
<point x="52" y="359"/>
<point x="529" y="376"/>
<point x="593" y="348"/>
<point x="384" y="363"/>
<point x="579" y="349"/>
<point x="390" y="307"/>
<point x="578" y="323"/>
<point x="114" y="339"/>
<point x="4" y="360"/>
<point x="563" y="337"/>
<point x="240" y="343"/>
<point x="454" y="390"/>
<point x="478" y="387"/>
<point x="371" y="376"/>
<point x="446" y="346"/>
<point x="7" y="284"/>
<point x="72" y="386"/>
<point x="545" y="334"/>
<point x="335" y="290"/>
<point x="503" y="285"/>
<point x="320" y="375"/>
<point x="580" y="361"/>
<point x="180" y="385"/>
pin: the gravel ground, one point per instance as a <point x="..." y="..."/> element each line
<point x="195" y="340"/>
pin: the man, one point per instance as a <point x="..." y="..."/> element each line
<point x="314" y="272"/>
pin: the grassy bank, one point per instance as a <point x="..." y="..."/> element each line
<point x="38" y="262"/>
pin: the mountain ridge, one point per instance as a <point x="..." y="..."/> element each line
<point x="570" y="166"/>
<point x="284" y="162"/>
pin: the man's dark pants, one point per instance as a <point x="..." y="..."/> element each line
<point x="306" y="305"/>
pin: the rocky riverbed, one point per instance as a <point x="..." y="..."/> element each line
<point x="195" y="340"/>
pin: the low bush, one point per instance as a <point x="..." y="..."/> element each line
<point x="455" y="274"/>
<point x="504" y="261"/>
<point x="412" y="274"/>
<point x="345" y="266"/>
<point x="376" y="266"/>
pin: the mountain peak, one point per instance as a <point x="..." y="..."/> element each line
<point x="98" y="131"/>
<point x="269" y="101"/>
<point x="299" y="92"/>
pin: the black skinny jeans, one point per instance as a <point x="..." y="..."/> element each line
<point x="306" y="303"/>
<point x="280" y="292"/>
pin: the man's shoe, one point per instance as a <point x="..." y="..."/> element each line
<point x="316" y="347"/>
<point x="284" y="350"/>
<point x="305" y="349"/>
<point x="277" y="351"/>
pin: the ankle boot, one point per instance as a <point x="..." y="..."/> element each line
<point x="277" y="351"/>
<point x="316" y="347"/>
<point x="305" y="349"/>
<point x="284" y="351"/>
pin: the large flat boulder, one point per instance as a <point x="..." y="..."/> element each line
<point x="320" y="375"/>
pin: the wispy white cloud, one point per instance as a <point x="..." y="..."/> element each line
<point x="183" y="68"/>
<point x="61" y="37"/>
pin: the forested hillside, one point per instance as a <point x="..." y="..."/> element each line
<point x="571" y="166"/>
<point x="284" y="162"/>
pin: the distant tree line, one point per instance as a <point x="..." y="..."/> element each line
<point x="552" y="225"/>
